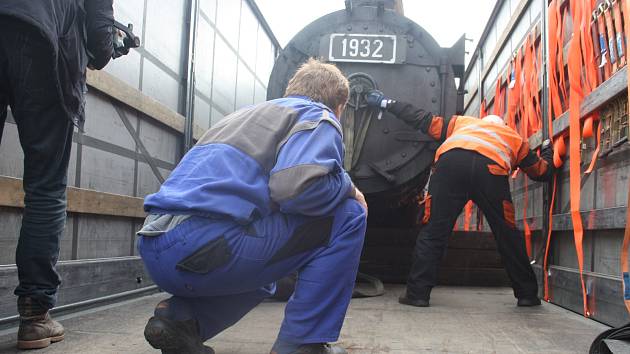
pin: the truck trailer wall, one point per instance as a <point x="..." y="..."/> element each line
<point x="603" y="193"/>
<point x="134" y="136"/>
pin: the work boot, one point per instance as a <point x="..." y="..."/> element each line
<point x="175" y="337"/>
<point x="406" y="300"/>
<point x="38" y="331"/>
<point x="316" y="348"/>
<point x="528" y="301"/>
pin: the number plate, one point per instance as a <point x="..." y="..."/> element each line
<point x="366" y="48"/>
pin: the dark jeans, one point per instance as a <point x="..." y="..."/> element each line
<point x="28" y="87"/>
<point x="463" y="175"/>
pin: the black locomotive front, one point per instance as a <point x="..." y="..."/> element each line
<point x="378" y="48"/>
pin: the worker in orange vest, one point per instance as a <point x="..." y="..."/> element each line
<point x="473" y="163"/>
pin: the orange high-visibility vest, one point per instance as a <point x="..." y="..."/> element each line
<point x="499" y="143"/>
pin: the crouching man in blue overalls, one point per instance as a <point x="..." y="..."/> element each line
<point x="261" y="195"/>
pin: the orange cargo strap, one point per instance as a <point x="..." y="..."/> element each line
<point x="514" y="87"/>
<point x="575" y="99"/>
<point x="555" y="47"/>
<point x="597" y="142"/>
<point x="528" y="107"/>
<point x="479" y="219"/>
<point x="626" y="237"/>
<point x="610" y="31"/>
<point x="546" y="274"/>
<point x="554" y="98"/>
<point x="603" y="44"/>
<point x="482" y="109"/>
<point x="592" y="77"/>
<point x="526" y="229"/>
<point x="468" y="215"/>
<point x="588" y="52"/>
<point x="619" y="40"/>
<point x="562" y="83"/>
<point x="499" y="98"/>
<point x="597" y="52"/>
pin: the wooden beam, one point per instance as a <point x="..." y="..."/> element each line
<point x="83" y="201"/>
<point x="92" y="281"/>
<point x="610" y="88"/>
<point x="120" y="91"/>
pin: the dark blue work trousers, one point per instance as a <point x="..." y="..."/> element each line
<point x="27" y="85"/>
<point x="218" y="270"/>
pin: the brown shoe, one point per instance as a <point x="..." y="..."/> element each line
<point x="38" y="332"/>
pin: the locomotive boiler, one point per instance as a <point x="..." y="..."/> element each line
<point x="378" y="48"/>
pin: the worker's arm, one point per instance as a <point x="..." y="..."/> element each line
<point x="418" y="118"/>
<point x="99" y="26"/>
<point x="537" y="168"/>
<point x="308" y="177"/>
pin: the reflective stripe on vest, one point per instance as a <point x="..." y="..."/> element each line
<point x="474" y="139"/>
<point x="493" y="134"/>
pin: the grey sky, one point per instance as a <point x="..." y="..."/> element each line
<point x="445" y="20"/>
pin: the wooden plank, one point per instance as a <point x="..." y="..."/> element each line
<point x="84" y="201"/>
<point x="470" y="97"/>
<point x="596" y="219"/>
<point x="605" y="294"/>
<point x="610" y="88"/>
<point x="82" y="280"/>
<point x="120" y="91"/>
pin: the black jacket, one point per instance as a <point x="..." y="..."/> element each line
<point x="79" y="32"/>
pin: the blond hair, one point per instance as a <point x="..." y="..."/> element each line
<point x="321" y="82"/>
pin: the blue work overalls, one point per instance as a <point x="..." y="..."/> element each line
<point x="261" y="195"/>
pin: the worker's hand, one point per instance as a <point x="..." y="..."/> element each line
<point x="376" y="99"/>
<point x="546" y="152"/>
<point x="121" y="44"/>
<point x="361" y="199"/>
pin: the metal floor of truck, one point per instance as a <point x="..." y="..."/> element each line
<point x="460" y="320"/>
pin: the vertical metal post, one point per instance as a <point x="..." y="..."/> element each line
<point x="480" y="90"/>
<point x="544" y="92"/>
<point x="193" y="16"/>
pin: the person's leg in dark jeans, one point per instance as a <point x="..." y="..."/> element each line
<point x="45" y="133"/>
<point x="492" y="195"/>
<point x="449" y="193"/>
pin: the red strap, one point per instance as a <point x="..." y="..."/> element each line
<point x="562" y="84"/>
<point x="555" y="42"/>
<point x="610" y="31"/>
<point x="482" y="109"/>
<point x="603" y="43"/>
<point x="588" y="53"/>
<point x="575" y="99"/>
<point x="467" y="215"/>
<point x="596" y="152"/>
<point x="547" y="296"/>
<point x="499" y="98"/>
<point x="619" y="40"/>
<point x="554" y="98"/>
<point x="527" y="230"/>
<point x="479" y="219"/>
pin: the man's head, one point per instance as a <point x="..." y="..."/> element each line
<point x="493" y="119"/>
<point x="322" y="82"/>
